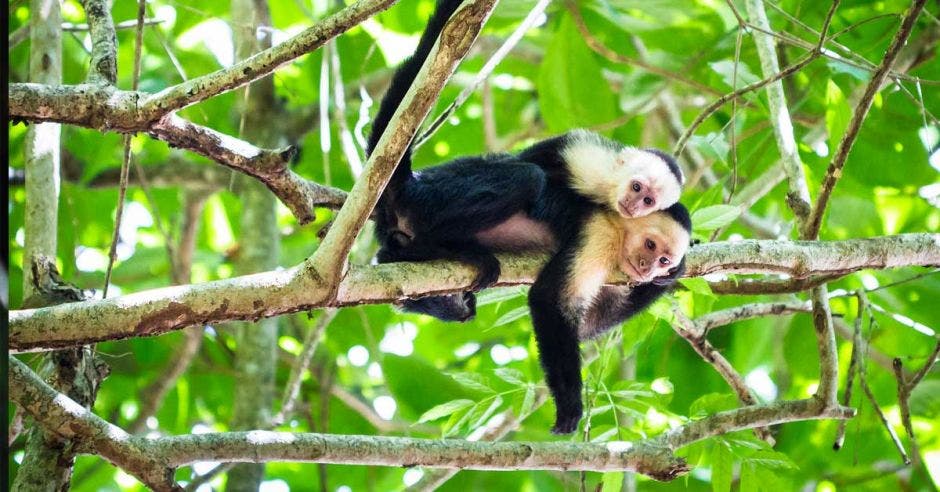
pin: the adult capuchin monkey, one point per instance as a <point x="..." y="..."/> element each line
<point x="597" y="205"/>
<point x="472" y="206"/>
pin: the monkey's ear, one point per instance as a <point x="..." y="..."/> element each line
<point x="674" y="275"/>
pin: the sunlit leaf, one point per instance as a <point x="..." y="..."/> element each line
<point x="444" y="409"/>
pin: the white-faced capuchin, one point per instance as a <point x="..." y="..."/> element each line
<point x="468" y="208"/>
<point x="597" y="205"/>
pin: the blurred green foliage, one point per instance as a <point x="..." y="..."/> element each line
<point x="645" y="378"/>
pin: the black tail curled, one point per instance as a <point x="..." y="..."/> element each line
<point x="402" y="80"/>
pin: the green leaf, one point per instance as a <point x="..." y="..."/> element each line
<point x="444" y="409"/>
<point x="748" y="482"/>
<point x="838" y="114"/>
<point x="527" y="401"/>
<point x="612" y="482"/>
<point x="498" y="294"/>
<point x="713" y="145"/>
<point x="483" y="417"/>
<point x="839" y="66"/>
<point x="511" y="316"/>
<point x="722" y="461"/>
<point x="511" y="376"/>
<point x="712" y="403"/>
<point x="473" y="381"/>
<point x="770" y="459"/>
<point x="636" y="331"/>
<point x="726" y="69"/>
<point x="925" y="399"/>
<point x="714" y="217"/>
<point x="572" y="90"/>
<point x="697" y="285"/>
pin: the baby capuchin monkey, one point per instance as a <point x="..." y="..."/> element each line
<point x="634" y="182"/>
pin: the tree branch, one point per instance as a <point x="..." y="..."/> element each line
<point x="63" y="416"/>
<point x="329" y="261"/>
<point x="750" y="417"/>
<point x="715" y="319"/>
<point x="827" y="391"/>
<point x="753" y="287"/>
<point x="687" y="329"/>
<point x="263" y="63"/>
<point x="834" y="172"/>
<point x="273" y="293"/>
<point x="104" y="42"/>
<point x="798" y="196"/>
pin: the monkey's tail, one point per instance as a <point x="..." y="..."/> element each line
<point x="402" y="80"/>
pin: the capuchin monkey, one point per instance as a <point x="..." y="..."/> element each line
<point x="596" y="205"/>
<point x="569" y="302"/>
<point x="472" y="206"/>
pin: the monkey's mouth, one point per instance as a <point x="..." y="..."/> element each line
<point x="624" y="210"/>
<point x="634" y="272"/>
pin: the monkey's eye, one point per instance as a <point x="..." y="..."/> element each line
<point x="664" y="261"/>
<point x="636" y="186"/>
<point x="650" y="245"/>
<point x="648" y="201"/>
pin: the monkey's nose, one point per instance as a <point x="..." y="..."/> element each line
<point x="644" y="265"/>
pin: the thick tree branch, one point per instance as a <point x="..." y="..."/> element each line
<point x="152" y="460"/>
<point x="798" y="195"/>
<point x="263" y="446"/>
<point x="66" y="418"/>
<point x="834" y="172"/>
<point x="458" y="35"/>
<point x="273" y="293"/>
<point x="104" y="42"/>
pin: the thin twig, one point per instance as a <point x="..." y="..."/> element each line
<point x="834" y="172"/>
<point x="853" y="366"/>
<point x="292" y="388"/>
<point x="884" y="420"/>
<point x="118" y="215"/>
<point x="687" y="329"/>
<point x="485" y="72"/>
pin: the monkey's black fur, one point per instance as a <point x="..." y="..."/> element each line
<point x="438" y="213"/>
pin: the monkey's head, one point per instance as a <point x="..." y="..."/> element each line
<point x="647" y="180"/>
<point x="654" y="246"/>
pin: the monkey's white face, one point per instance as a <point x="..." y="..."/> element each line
<point x="645" y="184"/>
<point x="652" y="246"/>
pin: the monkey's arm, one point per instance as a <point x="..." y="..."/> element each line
<point x="547" y="154"/>
<point x="616" y="304"/>
<point x="557" y="340"/>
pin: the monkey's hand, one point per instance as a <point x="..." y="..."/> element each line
<point x="487" y="274"/>
<point x="567" y="418"/>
